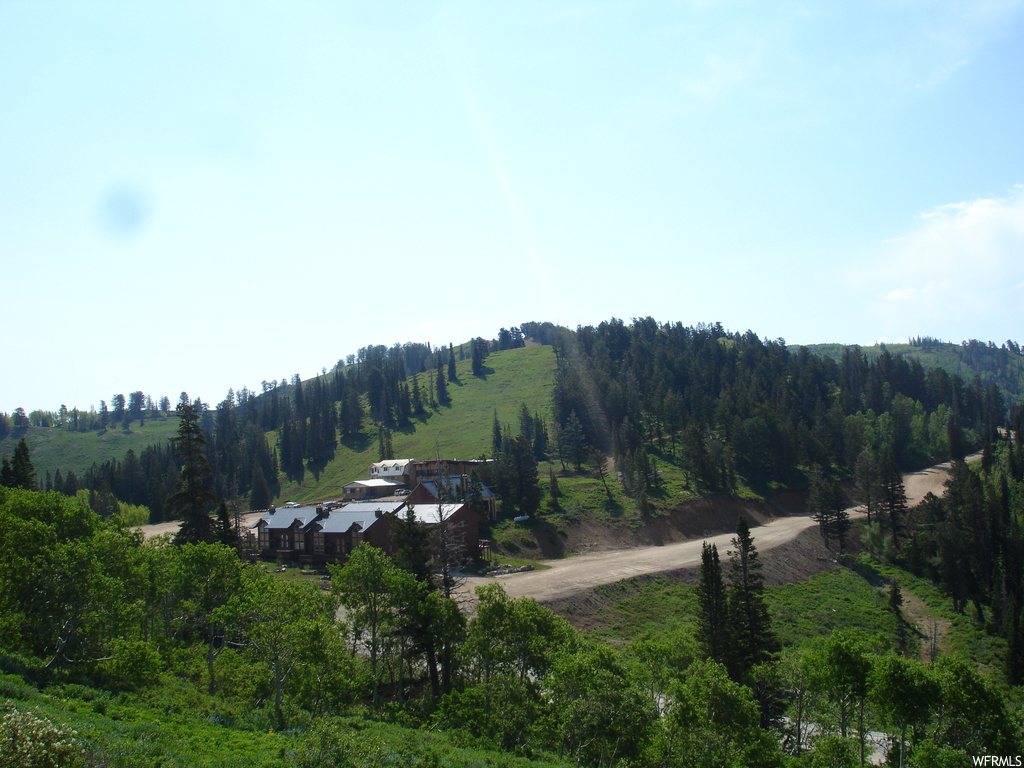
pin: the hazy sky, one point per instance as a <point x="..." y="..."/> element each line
<point x="197" y="196"/>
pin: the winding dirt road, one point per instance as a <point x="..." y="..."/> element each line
<point x="571" y="575"/>
<point x="564" y="578"/>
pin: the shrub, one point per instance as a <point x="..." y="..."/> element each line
<point x="30" y="741"/>
<point x="13" y="687"/>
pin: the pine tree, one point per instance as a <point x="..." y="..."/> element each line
<point x="417" y="397"/>
<point x="23" y="474"/>
<point x="712" y="607"/>
<point x="442" y="387"/>
<point x="259" y="496"/>
<point x="893" y="496"/>
<point x="225" y="531"/>
<point x="385" y="450"/>
<point x="752" y="635"/>
<point x="573" y="442"/>
<point x="451" y="364"/>
<point x="865" y="473"/>
<point x="193" y="495"/>
<point x="825" y="501"/>
<point x="479" y="348"/>
<point x="495" y="436"/>
<point x="6" y="474"/>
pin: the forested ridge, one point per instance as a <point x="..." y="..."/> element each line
<point x="730" y="410"/>
<point x="181" y="651"/>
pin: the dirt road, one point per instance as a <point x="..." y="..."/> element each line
<point x="566" y="577"/>
<point x="574" y="574"/>
<point x="159" y="529"/>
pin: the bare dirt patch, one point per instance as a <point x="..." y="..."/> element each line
<point x="699" y="518"/>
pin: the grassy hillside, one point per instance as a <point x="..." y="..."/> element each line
<point x="459" y="431"/>
<point x="53" y="447"/>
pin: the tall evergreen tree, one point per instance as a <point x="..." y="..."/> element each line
<point x="6" y="474"/>
<point x="712" y="607"/>
<point x="752" y="635"/>
<point x="417" y="397"/>
<point x="865" y="475"/>
<point x="442" y="387"/>
<point x="384" y="448"/>
<point x="224" y="530"/>
<point x="23" y="474"/>
<point x="826" y="503"/>
<point x="479" y="348"/>
<point x="573" y="442"/>
<point x="893" y="496"/>
<point x="495" y="436"/>
<point x="259" y="496"/>
<point x="194" y="494"/>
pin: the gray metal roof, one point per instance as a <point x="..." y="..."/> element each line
<point x="432" y="513"/>
<point x="374" y="482"/>
<point x="454" y="483"/>
<point x="282" y="519"/>
<point x="371" y="506"/>
<point x="339" y="521"/>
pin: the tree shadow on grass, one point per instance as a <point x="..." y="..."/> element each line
<point x="357" y="443"/>
<point x="316" y="468"/>
<point x="613" y="506"/>
<point x="868" y="572"/>
<point x="486" y="371"/>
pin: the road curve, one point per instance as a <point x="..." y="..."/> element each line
<point x="568" y="576"/>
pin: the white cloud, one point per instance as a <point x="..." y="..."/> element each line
<point x="955" y="275"/>
<point x="901" y="294"/>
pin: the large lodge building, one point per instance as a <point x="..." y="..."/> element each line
<point x="438" y="494"/>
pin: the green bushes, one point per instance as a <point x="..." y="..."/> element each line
<point x="30" y="741"/>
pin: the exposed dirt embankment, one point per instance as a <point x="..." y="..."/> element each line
<point x="695" y="519"/>
<point x="705" y="517"/>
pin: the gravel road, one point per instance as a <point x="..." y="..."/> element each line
<point x="570" y="575"/>
<point x="574" y="574"/>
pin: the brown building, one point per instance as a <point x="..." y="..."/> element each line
<point x="318" y="535"/>
<point x="458" y="488"/>
<point x="461" y="522"/>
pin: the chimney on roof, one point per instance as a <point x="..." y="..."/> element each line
<point x="273" y="510"/>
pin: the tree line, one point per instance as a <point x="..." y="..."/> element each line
<point x="121" y="413"/>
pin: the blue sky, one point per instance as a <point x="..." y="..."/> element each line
<point x="203" y="196"/>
